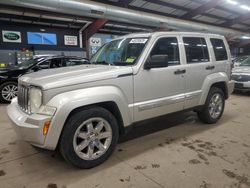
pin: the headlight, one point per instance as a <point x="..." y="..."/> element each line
<point x="35" y="99"/>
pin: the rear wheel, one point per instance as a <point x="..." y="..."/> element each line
<point x="8" y="91"/>
<point x="214" y="106"/>
<point x="89" y="137"/>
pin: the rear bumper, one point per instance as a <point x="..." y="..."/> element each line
<point x="28" y="127"/>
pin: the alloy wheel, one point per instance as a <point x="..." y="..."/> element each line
<point x="9" y="92"/>
<point x="92" y="138"/>
<point x="215" y="106"/>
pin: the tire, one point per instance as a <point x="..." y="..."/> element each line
<point x="4" y="88"/>
<point x="79" y="139"/>
<point x="207" y="115"/>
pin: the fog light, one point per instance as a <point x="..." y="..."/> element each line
<point x="46" y="127"/>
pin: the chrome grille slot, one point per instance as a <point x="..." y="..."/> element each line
<point x="22" y="98"/>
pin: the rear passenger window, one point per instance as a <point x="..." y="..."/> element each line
<point x="219" y="49"/>
<point x="196" y="50"/>
<point x="167" y="46"/>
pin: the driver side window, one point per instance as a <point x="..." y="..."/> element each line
<point x="56" y="63"/>
<point x="44" y="65"/>
<point x="167" y="46"/>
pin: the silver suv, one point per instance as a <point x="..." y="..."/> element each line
<point x="83" y="110"/>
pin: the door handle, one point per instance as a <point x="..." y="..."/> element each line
<point x="180" y="71"/>
<point x="210" y="67"/>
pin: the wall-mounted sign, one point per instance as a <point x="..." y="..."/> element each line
<point x="94" y="49"/>
<point x="95" y="42"/>
<point x="70" y="40"/>
<point x="11" y="36"/>
<point x="41" y="38"/>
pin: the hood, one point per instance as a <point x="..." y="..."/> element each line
<point x="12" y="72"/>
<point x="242" y="69"/>
<point x="4" y="70"/>
<point x="61" y="77"/>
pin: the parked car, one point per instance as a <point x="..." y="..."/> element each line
<point x="83" y="110"/>
<point x="240" y="60"/>
<point x="9" y="76"/>
<point x="241" y="76"/>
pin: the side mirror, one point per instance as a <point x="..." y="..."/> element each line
<point x="156" y="61"/>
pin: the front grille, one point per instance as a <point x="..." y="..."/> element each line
<point x="241" y="78"/>
<point x="22" y="98"/>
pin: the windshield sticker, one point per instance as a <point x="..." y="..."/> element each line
<point x="138" y="41"/>
<point x="130" y="59"/>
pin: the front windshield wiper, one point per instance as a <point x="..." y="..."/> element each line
<point x="119" y="63"/>
<point x="101" y="63"/>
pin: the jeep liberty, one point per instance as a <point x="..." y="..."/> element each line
<point x="83" y="110"/>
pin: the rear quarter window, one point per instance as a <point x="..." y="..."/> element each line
<point x="220" y="51"/>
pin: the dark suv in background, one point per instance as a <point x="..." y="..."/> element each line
<point x="9" y="76"/>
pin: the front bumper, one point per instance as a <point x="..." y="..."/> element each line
<point x="242" y="86"/>
<point x="28" y="127"/>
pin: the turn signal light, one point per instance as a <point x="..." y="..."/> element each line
<point x="46" y="127"/>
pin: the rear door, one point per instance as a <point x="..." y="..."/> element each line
<point x="198" y="66"/>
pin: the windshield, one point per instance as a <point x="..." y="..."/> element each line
<point x="121" y="52"/>
<point x="28" y="63"/>
<point x="246" y="62"/>
<point x="240" y="59"/>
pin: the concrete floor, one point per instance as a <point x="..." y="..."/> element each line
<point x="175" y="151"/>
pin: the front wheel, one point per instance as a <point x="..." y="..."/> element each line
<point x="8" y="91"/>
<point x="214" y="106"/>
<point x="89" y="137"/>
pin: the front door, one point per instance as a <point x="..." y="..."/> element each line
<point x="161" y="90"/>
